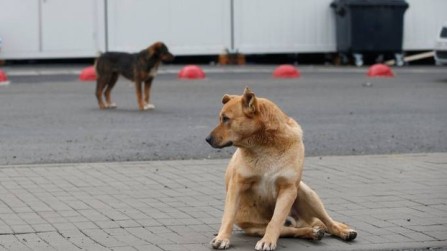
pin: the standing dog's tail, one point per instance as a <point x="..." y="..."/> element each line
<point x="95" y="65"/>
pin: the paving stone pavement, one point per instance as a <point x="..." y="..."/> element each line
<point x="395" y="202"/>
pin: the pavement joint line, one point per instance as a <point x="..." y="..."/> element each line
<point x="95" y="241"/>
<point x="33" y="232"/>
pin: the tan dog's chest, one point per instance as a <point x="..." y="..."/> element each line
<point x="265" y="188"/>
<point x="262" y="182"/>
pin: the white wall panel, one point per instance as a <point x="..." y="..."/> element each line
<point x="190" y="27"/>
<point x="282" y="26"/>
<point x="51" y="28"/>
<point x="69" y="26"/>
<point x="423" y="21"/>
<point x="19" y="28"/>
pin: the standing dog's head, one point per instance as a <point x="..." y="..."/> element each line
<point x="239" y="120"/>
<point x="160" y="51"/>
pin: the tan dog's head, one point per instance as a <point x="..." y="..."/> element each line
<point x="239" y="120"/>
<point x="160" y="50"/>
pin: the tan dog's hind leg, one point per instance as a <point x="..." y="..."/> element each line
<point x="309" y="206"/>
<point x="303" y="232"/>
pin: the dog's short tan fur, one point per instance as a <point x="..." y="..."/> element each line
<point x="263" y="179"/>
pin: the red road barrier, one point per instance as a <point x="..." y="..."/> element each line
<point x="380" y="70"/>
<point x="286" y="71"/>
<point x="191" y="72"/>
<point x="88" y="74"/>
<point x="3" y="78"/>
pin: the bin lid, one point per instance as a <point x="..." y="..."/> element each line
<point x="390" y="3"/>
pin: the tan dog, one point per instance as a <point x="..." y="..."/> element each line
<point x="263" y="179"/>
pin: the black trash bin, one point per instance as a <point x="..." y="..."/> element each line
<point x="366" y="26"/>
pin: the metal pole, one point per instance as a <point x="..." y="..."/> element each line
<point x="40" y="26"/>
<point x="232" y="25"/>
<point x="106" y="26"/>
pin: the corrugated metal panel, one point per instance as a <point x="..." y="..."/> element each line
<point x="284" y="26"/>
<point x="190" y="27"/>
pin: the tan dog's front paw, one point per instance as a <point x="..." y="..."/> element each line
<point x="265" y="244"/>
<point x="220" y="243"/>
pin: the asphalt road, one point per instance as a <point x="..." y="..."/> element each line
<point x="47" y="119"/>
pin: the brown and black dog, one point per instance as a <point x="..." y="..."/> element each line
<point x="263" y="179"/>
<point x="138" y="67"/>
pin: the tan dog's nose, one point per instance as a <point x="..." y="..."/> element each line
<point x="209" y="139"/>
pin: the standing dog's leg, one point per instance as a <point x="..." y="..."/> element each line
<point x="147" y="93"/>
<point x="287" y="193"/>
<point x="139" y="93"/>
<point x="309" y="206"/>
<point x="110" y="85"/>
<point x="100" y="84"/>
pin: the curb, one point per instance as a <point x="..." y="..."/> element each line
<point x="76" y="70"/>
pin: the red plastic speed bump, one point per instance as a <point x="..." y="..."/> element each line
<point x="3" y="78"/>
<point x="88" y="74"/>
<point x="380" y="70"/>
<point x="191" y="72"/>
<point x="286" y="71"/>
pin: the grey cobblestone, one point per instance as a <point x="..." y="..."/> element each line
<point x="394" y="201"/>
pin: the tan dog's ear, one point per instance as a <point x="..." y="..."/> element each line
<point x="226" y="98"/>
<point x="249" y="102"/>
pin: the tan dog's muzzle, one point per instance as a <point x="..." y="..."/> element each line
<point x="213" y="142"/>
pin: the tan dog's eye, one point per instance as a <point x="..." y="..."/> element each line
<point x="225" y="119"/>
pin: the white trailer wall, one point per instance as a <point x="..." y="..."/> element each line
<point x="51" y="28"/>
<point x="192" y="27"/>
<point x="19" y="28"/>
<point x="423" y="21"/>
<point x="283" y="26"/>
<point x="80" y="28"/>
